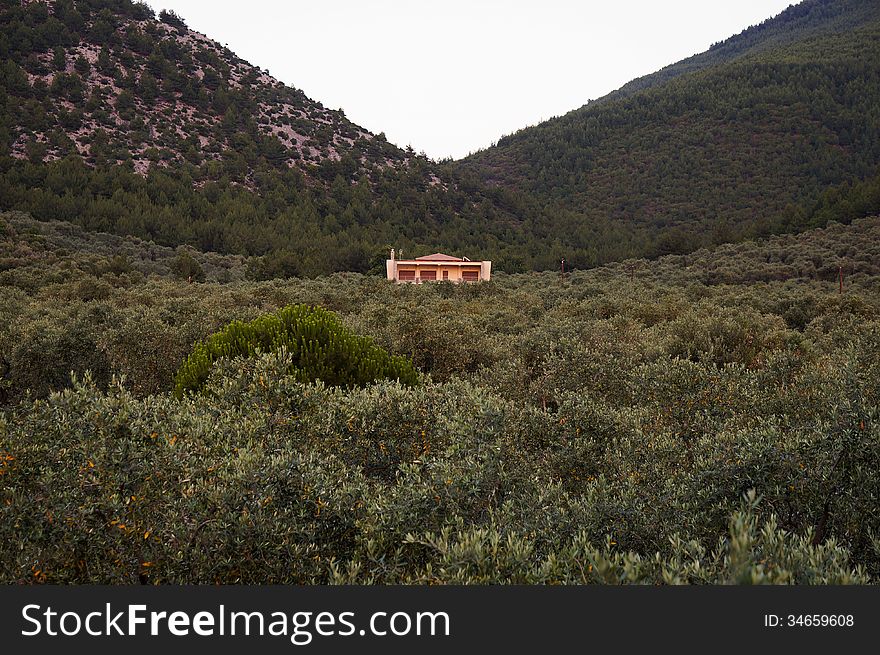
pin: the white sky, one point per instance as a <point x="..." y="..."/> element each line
<point x="453" y="76"/>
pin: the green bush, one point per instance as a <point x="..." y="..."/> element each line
<point x="186" y="267"/>
<point x="321" y="348"/>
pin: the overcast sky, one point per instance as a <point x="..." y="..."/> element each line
<point x="450" y="77"/>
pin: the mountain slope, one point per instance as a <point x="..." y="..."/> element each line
<point x="124" y="122"/>
<point x="797" y="22"/>
<point x="127" y="87"/>
<point x="737" y="142"/>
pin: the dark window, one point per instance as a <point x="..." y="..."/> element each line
<point x="429" y="275"/>
<point x="406" y="275"/>
<point x="470" y="276"/>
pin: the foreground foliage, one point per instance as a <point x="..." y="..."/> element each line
<point x="709" y="418"/>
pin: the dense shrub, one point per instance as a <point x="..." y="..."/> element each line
<point x="187" y="268"/>
<point x="319" y="346"/>
<point x="301" y="483"/>
<point x="659" y="428"/>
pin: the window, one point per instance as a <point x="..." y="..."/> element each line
<point x="445" y="275"/>
<point x="406" y="276"/>
<point x="428" y="275"/>
<point x="470" y="276"/>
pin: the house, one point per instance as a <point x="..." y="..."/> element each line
<point x="436" y="267"/>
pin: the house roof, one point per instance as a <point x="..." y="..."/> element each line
<point x="438" y="257"/>
<point x="440" y="262"/>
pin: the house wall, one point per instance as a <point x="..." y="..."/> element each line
<point x="396" y="271"/>
<point x="453" y="271"/>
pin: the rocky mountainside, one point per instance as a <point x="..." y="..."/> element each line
<point x="126" y="87"/>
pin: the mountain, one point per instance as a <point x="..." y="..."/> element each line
<point x="799" y="21"/>
<point x="158" y="93"/>
<point x="123" y="121"/>
<point x="742" y="140"/>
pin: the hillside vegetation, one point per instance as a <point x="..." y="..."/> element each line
<point x="739" y="141"/>
<point x="704" y="418"/>
<point x="800" y="21"/>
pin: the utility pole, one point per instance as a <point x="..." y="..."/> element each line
<point x="840" y="278"/>
<point x="563" y="270"/>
